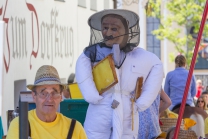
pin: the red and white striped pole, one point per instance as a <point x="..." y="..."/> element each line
<point x="204" y="17"/>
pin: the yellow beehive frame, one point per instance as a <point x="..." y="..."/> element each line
<point x="104" y="74"/>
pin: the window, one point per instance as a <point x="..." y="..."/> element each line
<point x="93" y="5"/>
<point x="201" y="63"/>
<point x="202" y="59"/>
<point x="153" y="44"/>
<point x="82" y="3"/>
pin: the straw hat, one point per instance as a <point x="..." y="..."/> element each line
<point x="94" y="21"/>
<point x="46" y="75"/>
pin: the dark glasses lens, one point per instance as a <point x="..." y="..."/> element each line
<point x="200" y="101"/>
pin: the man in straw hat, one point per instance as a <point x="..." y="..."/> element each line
<point x="45" y="122"/>
<point x="111" y="114"/>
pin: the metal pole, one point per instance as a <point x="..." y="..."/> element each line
<point x="191" y="71"/>
<point x="23" y="120"/>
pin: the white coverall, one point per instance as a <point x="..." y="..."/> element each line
<point x="103" y="122"/>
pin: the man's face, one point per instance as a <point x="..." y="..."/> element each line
<point x="47" y="99"/>
<point x="112" y="26"/>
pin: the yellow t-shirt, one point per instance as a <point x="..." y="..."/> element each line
<point x="206" y="125"/>
<point x="57" y="129"/>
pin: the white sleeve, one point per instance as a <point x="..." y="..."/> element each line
<point x="151" y="87"/>
<point x="85" y="80"/>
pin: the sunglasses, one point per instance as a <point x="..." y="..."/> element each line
<point x="199" y="101"/>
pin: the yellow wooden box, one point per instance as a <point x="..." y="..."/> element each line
<point x="75" y="91"/>
<point x="104" y="74"/>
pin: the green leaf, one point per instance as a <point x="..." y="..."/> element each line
<point x="182" y="15"/>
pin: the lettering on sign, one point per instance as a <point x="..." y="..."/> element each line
<point x="21" y="33"/>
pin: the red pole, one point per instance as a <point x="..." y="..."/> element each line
<point x="204" y="17"/>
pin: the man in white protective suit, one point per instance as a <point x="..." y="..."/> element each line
<point x="116" y="31"/>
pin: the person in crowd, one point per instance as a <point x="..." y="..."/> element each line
<point x="114" y="113"/>
<point x="175" y="83"/>
<point x="149" y="121"/>
<point x="148" y="127"/>
<point x="165" y="101"/>
<point x="199" y="87"/>
<point x="71" y="78"/>
<point x="170" y="133"/>
<point x="201" y="103"/>
<point x="205" y="96"/>
<point x="206" y="127"/>
<point x="66" y="93"/>
<point x="44" y="121"/>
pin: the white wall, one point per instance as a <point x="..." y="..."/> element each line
<point x="19" y="85"/>
<point x="1" y="62"/>
<point x="39" y="33"/>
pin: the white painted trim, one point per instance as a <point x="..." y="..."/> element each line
<point x="1" y="62"/>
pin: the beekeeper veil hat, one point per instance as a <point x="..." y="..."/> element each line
<point x="95" y="23"/>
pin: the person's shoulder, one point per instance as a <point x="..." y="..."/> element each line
<point x="13" y="131"/>
<point x="14" y="123"/>
<point x="170" y="73"/>
<point x="144" y="53"/>
<point x="63" y="116"/>
<point x="31" y="113"/>
<point x="139" y="50"/>
<point x="90" y="52"/>
<point x="69" y="119"/>
<point x="77" y="122"/>
<point x="15" y="120"/>
<point x="91" y="47"/>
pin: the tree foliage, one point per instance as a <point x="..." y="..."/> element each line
<point x="185" y="16"/>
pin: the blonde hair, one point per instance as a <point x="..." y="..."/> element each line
<point x="199" y="81"/>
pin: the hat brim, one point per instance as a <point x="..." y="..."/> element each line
<point x="31" y="86"/>
<point x="94" y="21"/>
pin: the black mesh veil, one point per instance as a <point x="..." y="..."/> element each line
<point x="133" y="27"/>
